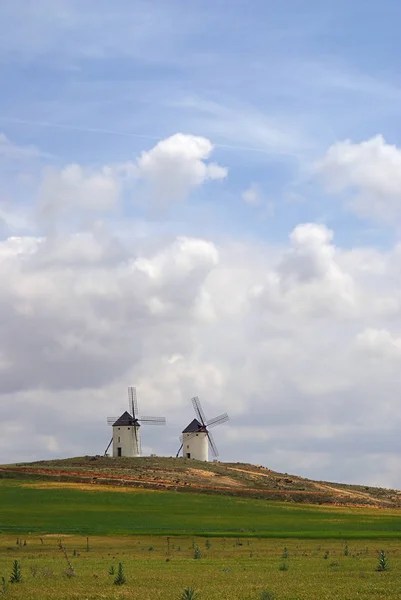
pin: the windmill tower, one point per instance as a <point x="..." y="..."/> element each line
<point x="196" y="437"/>
<point x="126" y="438"/>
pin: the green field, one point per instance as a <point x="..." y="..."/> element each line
<point x="26" y="508"/>
<point x="229" y="569"/>
<point x="154" y="535"/>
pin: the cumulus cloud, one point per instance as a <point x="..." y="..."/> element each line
<point x="284" y="337"/>
<point x="370" y="171"/>
<point x="297" y="341"/>
<point x="178" y="164"/>
<point x="170" y="171"/>
<point x="74" y="188"/>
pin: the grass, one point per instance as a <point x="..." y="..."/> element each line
<point x="29" y="508"/>
<point x="227" y="570"/>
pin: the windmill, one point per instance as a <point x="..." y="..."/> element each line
<point x="126" y="438"/>
<point x="196" y="436"/>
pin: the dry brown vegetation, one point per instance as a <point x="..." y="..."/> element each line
<point x="192" y="476"/>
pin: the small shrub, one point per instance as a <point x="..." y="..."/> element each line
<point x="120" y="577"/>
<point x="24" y="542"/>
<point x="283" y="566"/>
<point x="151" y="548"/>
<point x="346" y="551"/>
<point x="111" y="570"/>
<point x="189" y="594"/>
<point x="3" y="586"/>
<point x="267" y="595"/>
<point x="326" y="555"/>
<point x="208" y="544"/>
<point x="69" y="572"/>
<point x="197" y="552"/>
<point x="382" y="564"/>
<point x="47" y="573"/>
<point x="285" y="553"/>
<point x="16" y="576"/>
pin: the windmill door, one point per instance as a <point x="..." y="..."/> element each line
<point x="118" y="451"/>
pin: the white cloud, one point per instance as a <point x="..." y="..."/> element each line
<point x="178" y="164"/>
<point x="252" y="195"/>
<point x="291" y="337"/>
<point x="75" y="188"/>
<point x="379" y="343"/>
<point x="171" y="169"/>
<point x="370" y="171"/>
<point x="12" y="151"/>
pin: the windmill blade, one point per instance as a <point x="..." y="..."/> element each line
<point x="212" y="444"/>
<point x="179" y="450"/>
<point x="111" y="420"/>
<point x="199" y="410"/>
<point x="218" y="420"/>
<point x="153" y="420"/>
<point x="133" y="402"/>
<point x="111" y="441"/>
<point x="137" y="443"/>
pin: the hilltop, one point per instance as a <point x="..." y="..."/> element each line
<point x="185" y="475"/>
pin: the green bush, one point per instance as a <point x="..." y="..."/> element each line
<point x="120" y="578"/>
<point x="382" y="564"/>
<point x="189" y="594"/>
<point x="16" y="576"/>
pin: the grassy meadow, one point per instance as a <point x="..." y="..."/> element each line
<point x="294" y="552"/>
<point x="49" y="507"/>
<point x="229" y="568"/>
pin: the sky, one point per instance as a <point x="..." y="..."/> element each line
<point x="203" y="199"/>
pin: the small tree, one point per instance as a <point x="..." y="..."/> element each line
<point x="111" y="570"/>
<point x="346" y="550"/>
<point x="382" y="564"/>
<point x="3" y="586"/>
<point x="16" y="576"/>
<point x="285" y="553"/>
<point x="197" y="552"/>
<point x="120" y="578"/>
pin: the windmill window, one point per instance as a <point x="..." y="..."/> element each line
<point x="187" y="445"/>
<point x="118" y="439"/>
<point x="129" y="428"/>
<point x="197" y="435"/>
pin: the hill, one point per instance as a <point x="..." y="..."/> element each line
<point x="184" y="475"/>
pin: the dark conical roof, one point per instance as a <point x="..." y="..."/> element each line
<point x="193" y="426"/>
<point x="126" y="420"/>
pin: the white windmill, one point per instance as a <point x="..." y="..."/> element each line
<point x="196" y="437"/>
<point x="126" y="438"/>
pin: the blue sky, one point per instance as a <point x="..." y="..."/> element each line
<point x="271" y="85"/>
<point x="273" y="216"/>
